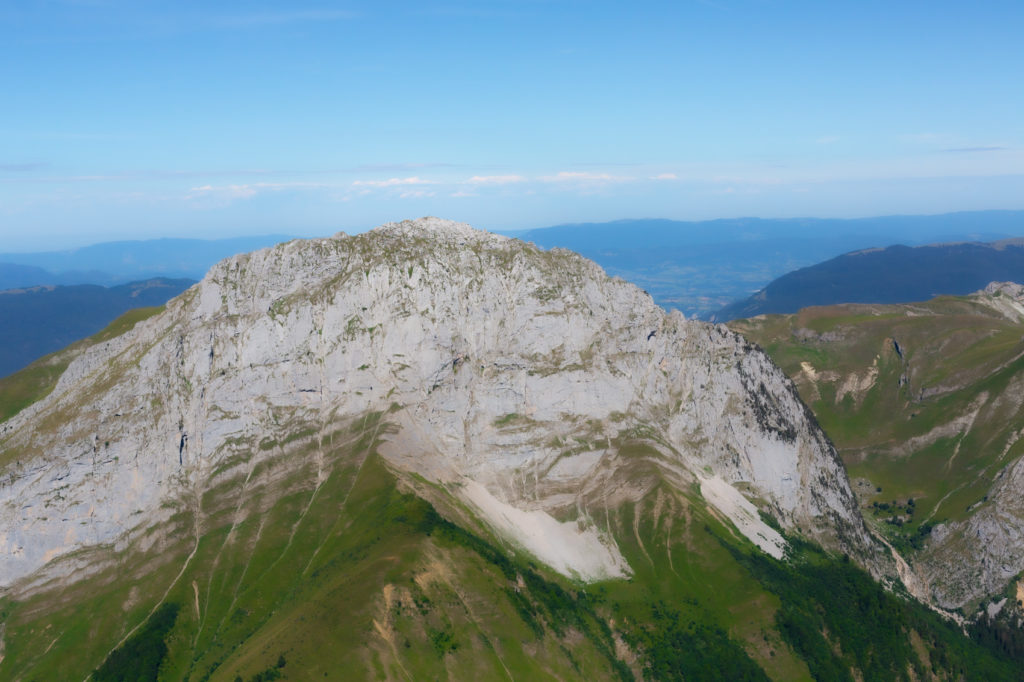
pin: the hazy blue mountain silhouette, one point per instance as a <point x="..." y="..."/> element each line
<point x="14" y="276"/>
<point x="111" y="263"/>
<point x="699" y="267"/>
<point x="897" y="274"/>
<point x="41" y="320"/>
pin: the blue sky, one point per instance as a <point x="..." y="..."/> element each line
<point x="138" y="119"/>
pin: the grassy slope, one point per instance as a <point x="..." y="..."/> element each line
<point x="361" y="580"/>
<point x="959" y="360"/>
<point x="357" y="579"/>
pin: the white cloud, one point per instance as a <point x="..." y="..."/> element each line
<point x="392" y="182"/>
<point x="225" y="193"/>
<point x="583" y="176"/>
<point x="462" y="193"/>
<point x="752" y="180"/>
<point x="665" y="176"/>
<point x="495" y="179"/>
<point x="415" y="194"/>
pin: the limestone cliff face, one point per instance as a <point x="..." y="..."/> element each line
<point x="528" y="383"/>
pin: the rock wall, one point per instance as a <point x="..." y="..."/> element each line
<point x="530" y="373"/>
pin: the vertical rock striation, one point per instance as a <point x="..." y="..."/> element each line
<point x="527" y="383"/>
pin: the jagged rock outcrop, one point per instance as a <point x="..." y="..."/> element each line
<point x="1004" y="297"/>
<point x="975" y="558"/>
<point x="527" y="383"/>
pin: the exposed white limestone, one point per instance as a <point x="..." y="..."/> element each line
<point x="530" y="376"/>
<point x="1006" y="298"/>
<point x="743" y="514"/>
<point x="969" y="559"/>
<point x="577" y="552"/>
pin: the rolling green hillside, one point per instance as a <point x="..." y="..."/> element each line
<point x="922" y="401"/>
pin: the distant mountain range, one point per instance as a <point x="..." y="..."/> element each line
<point x="112" y="263"/>
<point x="39" y="320"/>
<point x="695" y="267"/>
<point x="897" y="274"/>
<point x="699" y="267"/>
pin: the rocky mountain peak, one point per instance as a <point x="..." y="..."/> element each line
<point x="1006" y="298"/>
<point x="437" y="228"/>
<point x="526" y="385"/>
<point x="1011" y="289"/>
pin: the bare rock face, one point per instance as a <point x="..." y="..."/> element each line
<point x="942" y="385"/>
<point x="1006" y="298"/>
<point x="527" y="383"/>
<point x="968" y="560"/>
<point x="971" y="559"/>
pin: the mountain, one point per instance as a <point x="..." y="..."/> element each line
<point x="699" y="267"/>
<point x="923" y="401"/>
<point x="13" y="276"/>
<point x="111" y="263"/>
<point x="897" y="274"/>
<point x="695" y="267"/>
<point x="41" y="320"/>
<point x="427" y="451"/>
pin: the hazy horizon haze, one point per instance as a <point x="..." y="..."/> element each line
<point x="137" y="121"/>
